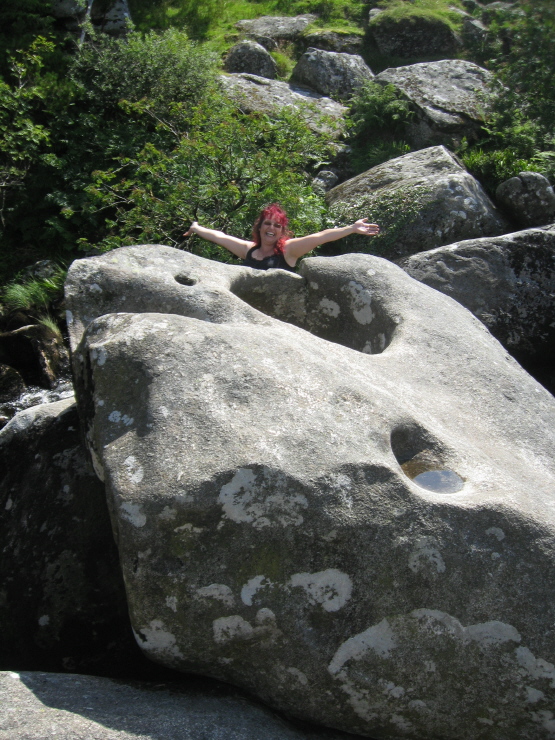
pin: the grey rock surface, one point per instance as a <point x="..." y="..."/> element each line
<point x="277" y="27"/>
<point x="36" y="706"/>
<point x="66" y="9"/>
<point x="508" y="282"/>
<point x="62" y="598"/>
<point x="449" y="98"/>
<point x="528" y="199"/>
<point x="347" y="43"/>
<point x="267" y="531"/>
<point x="252" y="58"/>
<point x="421" y="200"/>
<point x="331" y="73"/>
<point x="113" y="17"/>
<point x="324" y="181"/>
<point x="255" y="93"/>
<point x="413" y="36"/>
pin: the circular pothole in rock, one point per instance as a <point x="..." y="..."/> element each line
<point x="424" y="460"/>
<point x="185" y="280"/>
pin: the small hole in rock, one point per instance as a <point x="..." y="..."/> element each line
<point x="185" y="280"/>
<point x="440" y="481"/>
<point x="423" y="459"/>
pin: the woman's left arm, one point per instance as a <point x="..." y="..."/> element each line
<point x="297" y="247"/>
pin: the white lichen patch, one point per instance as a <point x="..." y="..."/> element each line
<point x="98" y="356"/>
<point x="379" y="639"/>
<point x="262" y="500"/>
<point x="299" y="675"/>
<point x="361" y="302"/>
<point x="496" y="532"/>
<point x="133" y="514"/>
<point x="331" y="588"/>
<point x="533" y="695"/>
<point x="228" y="629"/>
<point x="9" y="504"/>
<point x="95" y="288"/>
<point x="157" y="640"/>
<point x="217" y="591"/>
<point x="171" y="603"/>
<point x="425" y="554"/>
<point x="535" y="667"/>
<point x="251" y="587"/>
<point x="44" y="620"/>
<point x="329" y="308"/>
<point x="167" y="513"/>
<point x="135" y="471"/>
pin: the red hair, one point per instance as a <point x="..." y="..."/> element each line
<point x="276" y="213"/>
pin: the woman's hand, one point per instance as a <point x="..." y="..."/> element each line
<point x="362" y="227"/>
<point x="191" y="229"/>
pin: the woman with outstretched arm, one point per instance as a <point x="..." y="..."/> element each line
<point x="272" y="244"/>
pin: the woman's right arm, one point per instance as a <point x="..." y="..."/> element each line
<point x="238" y="247"/>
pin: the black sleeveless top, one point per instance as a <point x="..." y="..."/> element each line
<point x="272" y="262"/>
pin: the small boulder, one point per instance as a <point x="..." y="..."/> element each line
<point x="528" y="199"/>
<point x="449" y="97"/>
<point x="113" y="17"/>
<point x="473" y="31"/>
<point x="421" y="200"/>
<point x="345" y="43"/>
<point x="331" y="73"/>
<point x="277" y="27"/>
<point x="255" y="93"/>
<point x="252" y="58"/>
<point x="11" y="383"/>
<point x="324" y="181"/>
<point x="412" y="36"/>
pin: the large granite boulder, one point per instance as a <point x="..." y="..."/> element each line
<point x="350" y="517"/>
<point x="528" y="199"/>
<point x="62" y="599"/>
<point x="255" y="93"/>
<point x="412" y="36"/>
<point x="277" y="27"/>
<point x="252" y="58"/>
<point x="508" y="282"/>
<point x="449" y="98"/>
<point x="331" y="73"/>
<point x="36" y="706"/>
<point x="421" y="200"/>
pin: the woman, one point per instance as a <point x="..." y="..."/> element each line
<point x="272" y="243"/>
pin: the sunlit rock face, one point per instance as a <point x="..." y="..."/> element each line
<point x="262" y="437"/>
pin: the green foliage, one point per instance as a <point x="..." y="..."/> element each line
<point x="34" y="293"/>
<point x="285" y="64"/>
<point x="379" y="116"/>
<point x="394" y="209"/>
<point x="220" y="173"/>
<point x="519" y="132"/>
<point x="21" y="21"/>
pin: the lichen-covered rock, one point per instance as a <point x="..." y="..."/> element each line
<point x="528" y="199"/>
<point x="264" y="484"/>
<point x="421" y="200"/>
<point x="252" y="58"/>
<point x="62" y="599"/>
<point x="331" y="73"/>
<point x="412" y="36"/>
<point x="255" y="93"/>
<point x="36" y="706"/>
<point x="508" y="282"/>
<point x="347" y="43"/>
<point x="277" y="27"/>
<point x="449" y="98"/>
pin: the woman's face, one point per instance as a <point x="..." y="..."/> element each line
<point x="271" y="231"/>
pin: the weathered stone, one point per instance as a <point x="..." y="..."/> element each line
<point x="252" y="58"/>
<point x="11" y="383"/>
<point x="508" y="282"/>
<point x="492" y="11"/>
<point x="471" y="5"/>
<point x="412" y="36"/>
<point x="67" y="9"/>
<point x="347" y="43"/>
<point x="277" y="27"/>
<point x="267" y="531"/>
<point x="62" y="599"/>
<point x="113" y="18"/>
<point x="421" y="200"/>
<point x="449" y="98"/>
<point x="324" y="181"/>
<point x="473" y="30"/>
<point x="35" y="351"/>
<point x="260" y="94"/>
<point x="330" y="73"/>
<point x="36" y="706"/>
<point x="265" y="41"/>
<point x="528" y="199"/>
